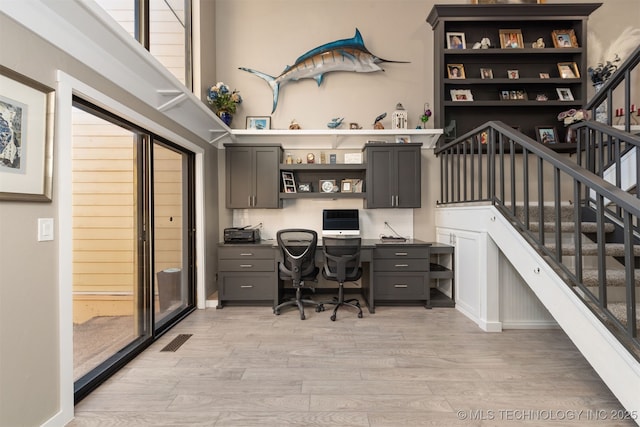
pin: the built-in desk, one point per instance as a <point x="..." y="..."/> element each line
<point x="392" y="272"/>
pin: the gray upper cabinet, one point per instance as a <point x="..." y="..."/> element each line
<point x="252" y="176"/>
<point x="393" y="175"/>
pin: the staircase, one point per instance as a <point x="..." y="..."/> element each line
<point x="613" y="274"/>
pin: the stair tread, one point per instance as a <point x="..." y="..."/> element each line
<point x="611" y="249"/>
<point x="614" y="277"/>
<point x="567" y="226"/>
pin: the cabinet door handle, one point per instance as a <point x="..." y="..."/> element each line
<point x="401" y="254"/>
<point x="246" y="286"/>
<point x="246" y="254"/>
<point x="400" y="286"/>
<point x="402" y="265"/>
<point x="246" y="265"/>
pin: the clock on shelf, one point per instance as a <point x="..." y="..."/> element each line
<point x="327" y="185"/>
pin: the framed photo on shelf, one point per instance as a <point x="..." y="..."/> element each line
<point x="403" y="139"/>
<point x="511" y="39"/>
<point x="564" y="38"/>
<point x="504" y="95"/>
<point x="546" y="134"/>
<point x="544" y="75"/>
<point x="26" y="138"/>
<point x="288" y="182"/>
<point x="346" y="186"/>
<point x="568" y="70"/>
<point x="564" y="94"/>
<point x="486" y="73"/>
<point x="304" y="187"/>
<point x="513" y="74"/>
<point x="461" y="95"/>
<point x="455" y="71"/>
<point x="258" y="122"/>
<point x="456" y="41"/>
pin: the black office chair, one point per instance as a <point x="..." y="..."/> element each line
<point x="298" y="249"/>
<point x="341" y="264"/>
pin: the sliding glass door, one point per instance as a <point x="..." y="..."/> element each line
<point x="133" y="239"/>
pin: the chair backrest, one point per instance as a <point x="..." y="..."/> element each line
<point x="298" y="249"/>
<point x="341" y="258"/>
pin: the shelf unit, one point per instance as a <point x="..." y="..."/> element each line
<point x="313" y="173"/>
<point x="534" y="21"/>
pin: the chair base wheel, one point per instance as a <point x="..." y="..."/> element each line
<point x="333" y="317"/>
<point x="359" y="315"/>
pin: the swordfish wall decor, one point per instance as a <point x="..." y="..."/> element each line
<point x="340" y="55"/>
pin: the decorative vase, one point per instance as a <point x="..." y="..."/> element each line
<point x="601" y="110"/>
<point x="226" y="117"/>
<point x="571" y="136"/>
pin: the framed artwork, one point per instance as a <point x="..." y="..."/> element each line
<point x="564" y="94"/>
<point x="546" y="134"/>
<point x="507" y="1"/>
<point x="304" y="187"/>
<point x="564" y="38"/>
<point x="455" y="71"/>
<point x="288" y="182"/>
<point x="461" y="95"/>
<point x="511" y="39"/>
<point x="568" y="70"/>
<point x="258" y="122"/>
<point x="346" y="186"/>
<point x="456" y="41"/>
<point x="26" y="138"/>
<point x="486" y="73"/>
<point x="513" y="74"/>
<point x="504" y="95"/>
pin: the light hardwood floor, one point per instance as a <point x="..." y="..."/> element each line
<point x="403" y="366"/>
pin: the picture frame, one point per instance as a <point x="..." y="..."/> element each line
<point x="568" y="70"/>
<point x="304" y="187"/>
<point x="456" y="40"/>
<point x="259" y="122"/>
<point x="513" y="74"/>
<point x="456" y="71"/>
<point x="346" y="186"/>
<point x="542" y="97"/>
<point x="547" y="134"/>
<point x="486" y="73"/>
<point x="564" y="38"/>
<point x="564" y="94"/>
<point x="544" y="75"/>
<point x="26" y="143"/>
<point x="511" y="39"/>
<point x="504" y="95"/>
<point x="461" y="95"/>
<point x="288" y="182"/>
<point x="508" y="1"/>
<point x="403" y="139"/>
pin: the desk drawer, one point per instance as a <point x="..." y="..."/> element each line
<point x="401" y="264"/>
<point x="401" y="252"/>
<point x="247" y="265"/>
<point x="247" y="287"/>
<point x="246" y="252"/>
<point x="400" y="287"/>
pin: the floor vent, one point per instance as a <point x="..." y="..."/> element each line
<point x="177" y="342"/>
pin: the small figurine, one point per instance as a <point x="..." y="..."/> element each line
<point x="354" y="126"/>
<point x="485" y="43"/>
<point x="335" y="123"/>
<point x="294" y="125"/>
<point x="377" y="124"/>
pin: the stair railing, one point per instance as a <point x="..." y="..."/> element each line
<point x="497" y="164"/>
<point x="604" y="97"/>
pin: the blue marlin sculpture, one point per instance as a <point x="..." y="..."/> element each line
<point x="340" y="55"/>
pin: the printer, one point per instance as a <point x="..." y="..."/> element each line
<point x="241" y="235"/>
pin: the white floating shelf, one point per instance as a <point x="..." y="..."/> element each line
<point x="428" y="137"/>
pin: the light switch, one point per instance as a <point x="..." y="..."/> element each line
<point x="45" y="229"/>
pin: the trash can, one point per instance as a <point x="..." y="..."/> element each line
<point x="169" y="281"/>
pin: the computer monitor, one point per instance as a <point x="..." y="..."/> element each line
<point x="340" y="222"/>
